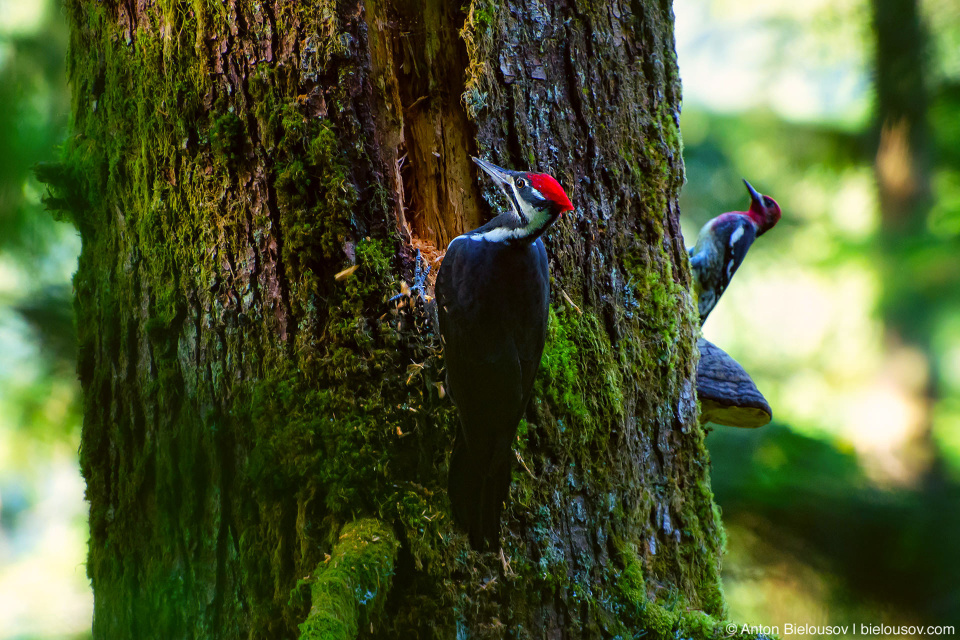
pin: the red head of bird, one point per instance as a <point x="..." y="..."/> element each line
<point x="530" y="194"/>
<point x="764" y="210"/>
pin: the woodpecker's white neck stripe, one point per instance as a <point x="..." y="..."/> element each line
<point x="501" y="234"/>
<point x="537" y="221"/>
<point x="736" y="235"/>
<point x="495" y="235"/>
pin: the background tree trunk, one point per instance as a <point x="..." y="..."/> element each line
<point x="243" y="404"/>
<point x="903" y="168"/>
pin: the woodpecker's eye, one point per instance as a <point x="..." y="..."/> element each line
<point x="521" y="183"/>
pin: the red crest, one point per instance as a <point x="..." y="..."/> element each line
<point x="551" y="190"/>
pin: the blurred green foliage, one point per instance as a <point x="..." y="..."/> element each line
<point x="896" y="547"/>
<point x="887" y="544"/>
<point x="44" y="591"/>
<point x="32" y="124"/>
<point x="37" y="253"/>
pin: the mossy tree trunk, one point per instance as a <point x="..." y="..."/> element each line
<point x="261" y="438"/>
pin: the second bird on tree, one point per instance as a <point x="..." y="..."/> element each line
<point x="723" y="244"/>
<point x="493" y="299"/>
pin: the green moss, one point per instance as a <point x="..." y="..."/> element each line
<point x="317" y="198"/>
<point x="478" y="36"/>
<point x="672" y="619"/>
<point x="698" y="624"/>
<point x="485" y="14"/>
<point x="354" y="428"/>
<point x="349" y="589"/>
<point x="336" y="191"/>
<point x="579" y="374"/>
<point x="319" y="430"/>
<point x="65" y="198"/>
<point x="227" y="136"/>
<point x="639" y="616"/>
<point x="669" y="128"/>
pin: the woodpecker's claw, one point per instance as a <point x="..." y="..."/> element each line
<point x="420" y="276"/>
<point x="421" y="271"/>
<point x="419" y="289"/>
<point x="404" y="293"/>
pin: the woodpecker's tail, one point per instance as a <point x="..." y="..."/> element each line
<point x="479" y="483"/>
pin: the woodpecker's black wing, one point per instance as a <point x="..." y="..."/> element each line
<point x="492" y="302"/>
<point x="722" y="246"/>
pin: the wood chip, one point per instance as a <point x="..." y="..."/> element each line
<point x="570" y="302"/>
<point x="346" y="273"/>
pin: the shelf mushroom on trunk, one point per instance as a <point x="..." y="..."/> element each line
<point x="727" y="393"/>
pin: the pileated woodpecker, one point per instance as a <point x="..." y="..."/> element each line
<point x="723" y="244"/>
<point x="493" y="297"/>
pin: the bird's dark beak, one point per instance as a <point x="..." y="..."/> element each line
<point x="500" y="176"/>
<point x="756" y="197"/>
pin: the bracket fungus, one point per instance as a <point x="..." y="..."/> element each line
<point x="728" y="395"/>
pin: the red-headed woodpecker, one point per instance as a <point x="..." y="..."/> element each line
<point x="723" y="244"/>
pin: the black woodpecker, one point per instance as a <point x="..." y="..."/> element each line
<point x="493" y="297"/>
<point x="723" y="244"/>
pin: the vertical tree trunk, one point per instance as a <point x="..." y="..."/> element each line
<point x="904" y="154"/>
<point x="264" y="446"/>
<point x="903" y="168"/>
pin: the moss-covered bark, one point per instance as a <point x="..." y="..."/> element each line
<point x="243" y="402"/>
<point x="351" y="586"/>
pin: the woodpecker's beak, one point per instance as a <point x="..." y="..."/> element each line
<point x="500" y="176"/>
<point x="756" y="197"/>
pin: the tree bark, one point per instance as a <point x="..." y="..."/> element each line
<point x="251" y="406"/>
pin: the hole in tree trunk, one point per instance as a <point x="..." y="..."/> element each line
<point x="436" y="178"/>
